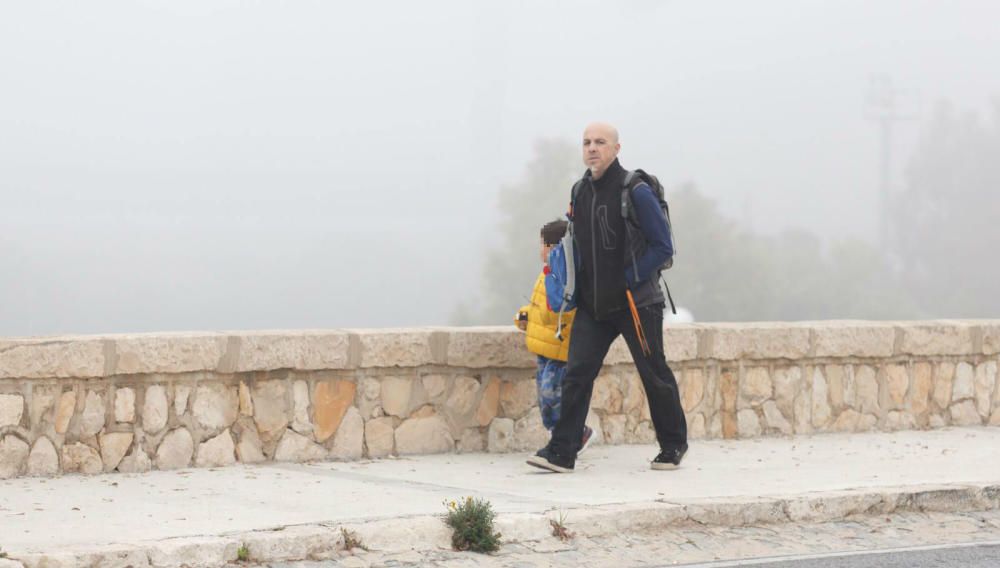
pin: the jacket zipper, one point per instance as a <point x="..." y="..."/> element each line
<point x="593" y="239"/>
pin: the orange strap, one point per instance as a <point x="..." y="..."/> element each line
<point x="638" y="324"/>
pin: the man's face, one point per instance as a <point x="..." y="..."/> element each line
<point x="600" y="148"/>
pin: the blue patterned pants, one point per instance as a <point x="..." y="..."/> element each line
<point x="549" y="378"/>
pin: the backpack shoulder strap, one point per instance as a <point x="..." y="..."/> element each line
<point x="632" y="180"/>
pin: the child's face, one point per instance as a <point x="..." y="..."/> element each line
<point x="545" y="250"/>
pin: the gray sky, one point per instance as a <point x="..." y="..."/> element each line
<point x="224" y="164"/>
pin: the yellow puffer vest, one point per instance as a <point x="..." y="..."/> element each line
<point x="542" y="323"/>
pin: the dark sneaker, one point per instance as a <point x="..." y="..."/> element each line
<point x="547" y="459"/>
<point x="669" y="459"/>
<point x="588" y="433"/>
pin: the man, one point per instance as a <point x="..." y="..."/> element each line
<point x="616" y="256"/>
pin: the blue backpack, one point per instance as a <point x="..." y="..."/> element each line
<point x="560" y="282"/>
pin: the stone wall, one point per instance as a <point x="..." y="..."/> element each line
<point x="136" y="402"/>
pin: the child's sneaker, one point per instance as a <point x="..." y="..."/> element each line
<point x="588" y="433"/>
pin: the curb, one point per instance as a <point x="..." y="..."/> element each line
<point x="325" y="541"/>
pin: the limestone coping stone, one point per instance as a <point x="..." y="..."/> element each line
<point x="470" y="347"/>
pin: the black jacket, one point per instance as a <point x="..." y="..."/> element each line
<point x="606" y="247"/>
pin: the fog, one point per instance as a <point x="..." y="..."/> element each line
<point x="219" y="165"/>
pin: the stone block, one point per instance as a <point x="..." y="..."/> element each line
<point x="759" y="341"/>
<point x="853" y="339"/>
<point x="847" y="421"/>
<point x="370" y="400"/>
<point x="80" y="458"/>
<point x="866" y="384"/>
<point x="43" y="400"/>
<point x="895" y="383"/>
<point x="181" y="395"/>
<point x="986" y="379"/>
<point x="748" y="423"/>
<point x="517" y="397"/>
<point x="331" y="399"/>
<point x="463" y="398"/>
<point x="64" y="411"/>
<point x="787" y="384"/>
<point x="380" y="437"/>
<point x="270" y="407"/>
<point x="349" y="441"/>
<point x="294" y="447"/>
<point x="427" y="435"/>
<point x="489" y="404"/>
<point x="217" y="451"/>
<point x="964" y="386"/>
<point x="614" y="430"/>
<point x="136" y="462"/>
<point x="481" y="347"/>
<point x="396" y="394"/>
<point x="154" y="409"/>
<point x="398" y="347"/>
<point x="607" y="396"/>
<point x="176" y="450"/>
<point x="11" y="409"/>
<point x="435" y="386"/>
<point x="697" y="430"/>
<point x="69" y="357"/>
<point x="836" y="380"/>
<point x="529" y="433"/>
<point x="114" y="446"/>
<point x="43" y="460"/>
<point x="472" y="441"/>
<point x="936" y="338"/>
<point x="125" y="405"/>
<point x="216" y="406"/>
<point x="964" y="413"/>
<point x="168" y="353"/>
<point x="500" y="438"/>
<point x="775" y="420"/>
<point x="13" y="456"/>
<point x="92" y="418"/>
<point x="692" y="389"/>
<point x="301" y="350"/>
<point x="755" y="387"/>
<point x="249" y="449"/>
<point x="820" y="400"/>
<point x="991" y="337"/>
<point x="634" y="396"/>
<point x="680" y="342"/>
<point x="896" y="420"/>
<point x="920" y="391"/>
<point x="246" y="400"/>
<point x="944" y="378"/>
<point x="300" y="408"/>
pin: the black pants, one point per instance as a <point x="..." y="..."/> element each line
<point x="589" y="343"/>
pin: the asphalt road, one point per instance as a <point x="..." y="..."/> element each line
<point x="958" y="556"/>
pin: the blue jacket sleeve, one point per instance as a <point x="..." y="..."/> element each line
<point x="653" y="224"/>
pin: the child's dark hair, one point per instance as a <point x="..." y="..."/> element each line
<point x="554" y="231"/>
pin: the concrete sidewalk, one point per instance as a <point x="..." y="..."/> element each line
<point x="201" y="517"/>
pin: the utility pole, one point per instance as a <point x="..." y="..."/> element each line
<point x="883" y="101"/>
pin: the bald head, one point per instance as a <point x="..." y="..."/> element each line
<point x="600" y="147"/>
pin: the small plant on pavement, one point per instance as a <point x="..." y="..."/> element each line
<point x="351" y="540"/>
<point x="243" y="553"/>
<point x="471" y="521"/>
<point x="559" y="529"/>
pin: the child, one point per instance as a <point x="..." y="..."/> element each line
<point x="541" y="323"/>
